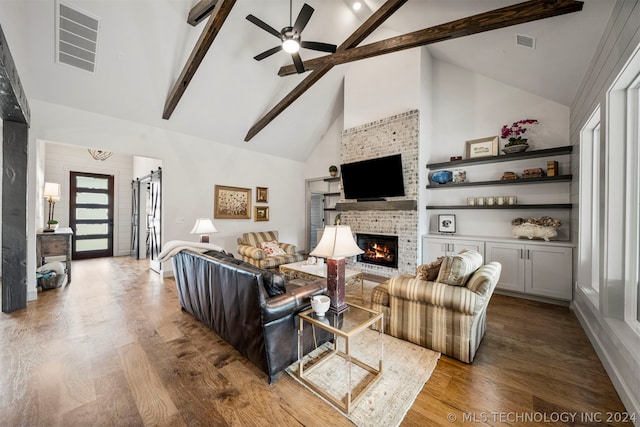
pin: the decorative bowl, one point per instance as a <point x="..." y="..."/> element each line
<point x="515" y="148"/>
<point x="320" y="304"/>
<point x="533" y="231"/>
<point x="442" y="177"/>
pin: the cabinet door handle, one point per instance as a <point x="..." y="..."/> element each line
<point x="521" y="253"/>
<point x="528" y="254"/>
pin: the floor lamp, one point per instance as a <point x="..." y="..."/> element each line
<point x="203" y="227"/>
<point x="335" y="245"/>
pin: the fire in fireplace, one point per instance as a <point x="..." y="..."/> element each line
<point x="378" y="249"/>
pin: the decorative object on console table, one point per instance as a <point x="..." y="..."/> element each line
<point x="232" y="202"/>
<point x="52" y="193"/>
<point x="203" y="227"/>
<point x="447" y="224"/>
<point x="538" y="228"/>
<point x="483" y="147"/>
<point x="514" y="134"/>
<point x="337" y="243"/>
<point x="262" y="194"/>
<point x="261" y="213"/>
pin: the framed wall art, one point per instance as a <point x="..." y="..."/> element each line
<point x="261" y="213"/>
<point x="483" y="147"/>
<point x="447" y="224"/>
<point x="262" y="194"/>
<point x="232" y="202"/>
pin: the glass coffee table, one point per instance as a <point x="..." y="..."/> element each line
<point x="309" y="272"/>
<point x="333" y="370"/>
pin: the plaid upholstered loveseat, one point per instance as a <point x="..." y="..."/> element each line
<point x="250" y="248"/>
<point x="449" y="318"/>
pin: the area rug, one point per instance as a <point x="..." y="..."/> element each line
<point x="406" y="368"/>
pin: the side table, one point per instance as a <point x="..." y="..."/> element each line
<point x="344" y="326"/>
<point x="57" y="243"/>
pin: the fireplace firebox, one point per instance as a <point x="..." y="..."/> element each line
<point x="378" y="249"/>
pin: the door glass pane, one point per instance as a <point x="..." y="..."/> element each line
<point x="86" y="229"/>
<point x="92" y="213"/>
<point x="93" y="198"/>
<point x="89" y="182"/>
<point x="91" y="245"/>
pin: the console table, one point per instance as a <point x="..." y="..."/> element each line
<point x="56" y="243"/>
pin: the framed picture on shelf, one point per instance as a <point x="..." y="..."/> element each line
<point x="483" y="147"/>
<point x="447" y="224"/>
<point x="261" y="213"/>
<point x="262" y="194"/>
<point x="232" y="202"/>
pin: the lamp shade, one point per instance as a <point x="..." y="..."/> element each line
<point x="203" y="226"/>
<point x="336" y="242"/>
<point x="51" y="189"/>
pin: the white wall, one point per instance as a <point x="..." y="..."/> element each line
<point x="61" y="160"/>
<point x="470" y="106"/>
<point x="143" y="166"/>
<point x="191" y="168"/>
<point x="616" y="341"/>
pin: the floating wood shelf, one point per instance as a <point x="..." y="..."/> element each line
<point x="397" y="205"/>
<point x="533" y="206"/>
<point x="540" y="180"/>
<point x="504" y="157"/>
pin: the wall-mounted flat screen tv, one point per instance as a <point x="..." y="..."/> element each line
<point x="373" y="179"/>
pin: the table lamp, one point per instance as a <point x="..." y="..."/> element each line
<point x="203" y="227"/>
<point x="52" y="193"/>
<point x="336" y="244"/>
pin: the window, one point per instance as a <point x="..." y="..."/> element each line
<point x="591" y="186"/>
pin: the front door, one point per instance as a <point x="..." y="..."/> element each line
<point x="91" y="215"/>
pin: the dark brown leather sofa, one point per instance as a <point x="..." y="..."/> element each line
<point x="250" y="308"/>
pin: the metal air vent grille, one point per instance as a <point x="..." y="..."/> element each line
<point x="525" y="41"/>
<point x="76" y="38"/>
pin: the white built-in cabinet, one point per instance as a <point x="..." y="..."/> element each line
<point x="434" y="247"/>
<point x="529" y="267"/>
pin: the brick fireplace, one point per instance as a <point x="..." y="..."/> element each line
<point x="392" y="135"/>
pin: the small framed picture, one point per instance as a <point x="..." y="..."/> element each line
<point x="261" y="213"/>
<point x="446" y="223"/>
<point x="262" y="194"/>
<point x="483" y="147"/>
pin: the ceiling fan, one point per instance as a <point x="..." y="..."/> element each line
<point x="291" y="37"/>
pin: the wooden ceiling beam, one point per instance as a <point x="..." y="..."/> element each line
<point x="368" y="27"/>
<point x="200" y="11"/>
<point x="521" y="13"/>
<point x="214" y="24"/>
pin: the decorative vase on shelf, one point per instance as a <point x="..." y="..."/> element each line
<point x="516" y="145"/>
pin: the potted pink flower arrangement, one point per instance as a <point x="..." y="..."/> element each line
<point x="514" y="133"/>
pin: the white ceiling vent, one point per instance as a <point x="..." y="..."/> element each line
<point x="525" y="41"/>
<point x="76" y="37"/>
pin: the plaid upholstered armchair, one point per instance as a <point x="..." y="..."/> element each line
<point x="447" y="314"/>
<point x="263" y="250"/>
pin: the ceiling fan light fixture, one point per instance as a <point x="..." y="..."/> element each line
<point x="290" y="45"/>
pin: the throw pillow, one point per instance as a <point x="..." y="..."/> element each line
<point x="272" y="248"/>
<point x="430" y="271"/>
<point x="457" y="269"/>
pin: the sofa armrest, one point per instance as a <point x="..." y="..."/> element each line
<point x="457" y="298"/>
<point x="289" y="248"/>
<point x="292" y="301"/>
<point x="485" y="279"/>
<point x="251" y="251"/>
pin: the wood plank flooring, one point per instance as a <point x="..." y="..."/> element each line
<point x="114" y="348"/>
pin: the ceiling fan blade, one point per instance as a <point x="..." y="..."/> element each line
<point x="297" y="61"/>
<point x="260" y="23"/>
<point x="268" y="53"/>
<point x="303" y="18"/>
<point x="322" y="47"/>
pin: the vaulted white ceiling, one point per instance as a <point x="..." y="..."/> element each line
<point x="144" y="44"/>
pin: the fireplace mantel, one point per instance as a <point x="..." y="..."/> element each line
<point x="395" y="205"/>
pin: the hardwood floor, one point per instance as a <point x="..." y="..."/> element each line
<point x="114" y="348"/>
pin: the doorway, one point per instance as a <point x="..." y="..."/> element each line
<point x="91" y="215"/>
<point x="146" y="218"/>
